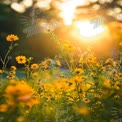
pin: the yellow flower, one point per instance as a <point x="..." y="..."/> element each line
<point x="82" y="110"/>
<point x="78" y="79"/>
<point x="34" y="66"/>
<point x="10" y="76"/>
<point x="13" y="68"/>
<point x="120" y="43"/>
<point x="78" y="71"/>
<point x="3" y="107"/>
<point x="66" y="42"/>
<point x="86" y="100"/>
<point x="12" y="73"/>
<point x="70" y="47"/>
<point x="20" y="119"/>
<point x="12" y="37"/>
<point x="107" y="83"/>
<point x="44" y="65"/>
<point x="1" y="71"/>
<point x="114" y="63"/>
<point x="35" y="74"/>
<point x="22" y="93"/>
<point x="32" y="101"/>
<point x="109" y="60"/>
<point x="21" y="59"/>
<point x="49" y="61"/>
<point x="118" y="85"/>
<point x="92" y="74"/>
<point x="58" y="63"/>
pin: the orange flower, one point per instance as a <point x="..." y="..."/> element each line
<point x="107" y="83"/>
<point x="12" y="37"/>
<point x="22" y="93"/>
<point x="1" y="71"/>
<point x="34" y="66"/>
<point x="3" y="107"/>
<point x="21" y="59"/>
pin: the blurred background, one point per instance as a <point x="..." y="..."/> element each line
<point x="95" y="23"/>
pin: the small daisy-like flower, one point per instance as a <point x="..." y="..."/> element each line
<point x="78" y="79"/>
<point x="13" y="68"/>
<point x="12" y="37"/>
<point x="34" y="66"/>
<point x="49" y="61"/>
<point x="86" y="100"/>
<point x="78" y="71"/>
<point x="12" y="73"/>
<point x="10" y="76"/>
<point x="21" y="59"/>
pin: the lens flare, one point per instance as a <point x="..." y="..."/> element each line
<point x="87" y="29"/>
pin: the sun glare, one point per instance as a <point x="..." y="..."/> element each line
<point x="87" y="29"/>
<point x="68" y="10"/>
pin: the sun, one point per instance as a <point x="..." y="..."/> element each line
<point x="87" y="29"/>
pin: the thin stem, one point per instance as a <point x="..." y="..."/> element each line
<point x="4" y="61"/>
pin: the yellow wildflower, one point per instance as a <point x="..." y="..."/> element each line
<point x="79" y="79"/>
<point x="82" y="110"/>
<point x="58" y="63"/>
<point x="107" y="83"/>
<point x="1" y="71"/>
<point x="109" y="60"/>
<point x="78" y="71"/>
<point x="114" y="63"/>
<point x="12" y="73"/>
<point x="35" y="74"/>
<point x="118" y="85"/>
<point x="21" y="59"/>
<point x="12" y="37"/>
<point x="92" y="74"/>
<point x="86" y="100"/>
<point x="66" y="42"/>
<point x="10" y="76"/>
<point x="22" y="93"/>
<point x="49" y="61"/>
<point x="13" y="68"/>
<point x="34" y="66"/>
<point x="3" y="107"/>
<point x="70" y="47"/>
<point x="44" y="64"/>
<point x="20" y="119"/>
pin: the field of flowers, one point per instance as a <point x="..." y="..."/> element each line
<point x="85" y="90"/>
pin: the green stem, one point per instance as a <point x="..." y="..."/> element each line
<point x="77" y="90"/>
<point x="4" y="61"/>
